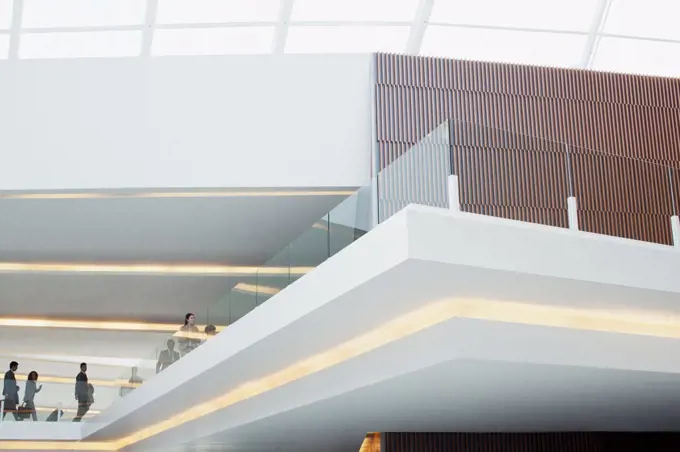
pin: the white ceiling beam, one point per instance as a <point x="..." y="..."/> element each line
<point x="594" y="36"/>
<point x="149" y="27"/>
<point x="15" y="29"/>
<point x="281" y="33"/>
<point x="81" y="29"/>
<point x="415" y="38"/>
<point x="508" y="28"/>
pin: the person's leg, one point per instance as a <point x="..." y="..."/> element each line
<point x="83" y="408"/>
<point x="11" y="407"/>
<point x="31" y="406"/>
<point x="79" y="413"/>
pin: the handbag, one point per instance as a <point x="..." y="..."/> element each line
<point x="24" y="412"/>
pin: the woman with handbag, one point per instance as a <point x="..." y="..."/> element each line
<point x="32" y="389"/>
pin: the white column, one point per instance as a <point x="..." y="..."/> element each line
<point x="454" y="194"/>
<point x="572" y="213"/>
<point x="675" y="227"/>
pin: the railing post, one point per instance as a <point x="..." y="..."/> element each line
<point x="2" y="410"/>
<point x="572" y="212"/>
<point x="572" y="205"/>
<point x="453" y="188"/>
<point x="675" y="221"/>
<point x="58" y="412"/>
<point x="454" y="194"/>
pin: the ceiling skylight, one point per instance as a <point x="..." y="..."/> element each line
<point x="80" y="44"/>
<point x="6" y="9"/>
<point x="82" y="13"/>
<point x="645" y="18"/>
<point x="217" y="11"/>
<point x="504" y="46"/>
<point x="352" y="39"/>
<point x="639" y="36"/>
<point x="354" y="10"/>
<point x="213" y="41"/>
<point x="574" y="15"/>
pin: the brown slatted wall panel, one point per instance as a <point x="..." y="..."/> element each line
<point x="550" y="217"/>
<point x="504" y="177"/>
<point x="624" y="116"/>
<point x="531" y="442"/>
<point x="623" y="197"/>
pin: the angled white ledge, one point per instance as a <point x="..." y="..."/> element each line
<point x="519" y="309"/>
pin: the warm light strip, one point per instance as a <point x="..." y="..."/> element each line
<point x="256" y="289"/>
<point x="153" y="269"/>
<point x="612" y="321"/>
<point x="46" y="409"/>
<point x="56" y="445"/>
<point x="71" y="381"/>
<point x="402" y="326"/>
<point x="89" y="325"/>
<point x="320" y="226"/>
<point x="170" y="194"/>
<point x="106" y="325"/>
<point x="77" y="359"/>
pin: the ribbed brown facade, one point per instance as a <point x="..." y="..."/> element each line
<point x="519" y="132"/>
<point x="530" y="442"/>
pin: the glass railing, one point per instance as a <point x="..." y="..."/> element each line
<point x="523" y="177"/>
<point x="417" y="176"/>
<point x="343" y="225"/>
<point x="39" y="412"/>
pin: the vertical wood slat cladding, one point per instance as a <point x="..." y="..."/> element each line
<point x="617" y="127"/>
<point x="531" y="442"/>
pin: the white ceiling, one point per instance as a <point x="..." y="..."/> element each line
<point x="238" y="230"/>
<point x="636" y="36"/>
<point x="231" y="230"/>
<point x="468" y="395"/>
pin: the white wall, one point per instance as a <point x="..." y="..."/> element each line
<point x="232" y="121"/>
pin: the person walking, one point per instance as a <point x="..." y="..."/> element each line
<point x="31" y="390"/>
<point x="82" y="393"/>
<point x="167" y="356"/>
<point x="11" y="391"/>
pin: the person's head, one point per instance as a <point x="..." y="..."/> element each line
<point x="210" y="330"/>
<point x="171" y="344"/>
<point x="189" y="319"/>
<point x="13" y="366"/>
<point x="33" y="376"/>
<point x="83" y="367"/>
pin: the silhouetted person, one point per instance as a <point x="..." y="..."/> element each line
<point x="167" y="356"/>
<point x="134" y="381"/>
<point x="11" y="391"/>
<point x="188" y="337"/>
<point x="82" y="393"/>
<point x="31" y="390"/>
<point x="210" y="330"/>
